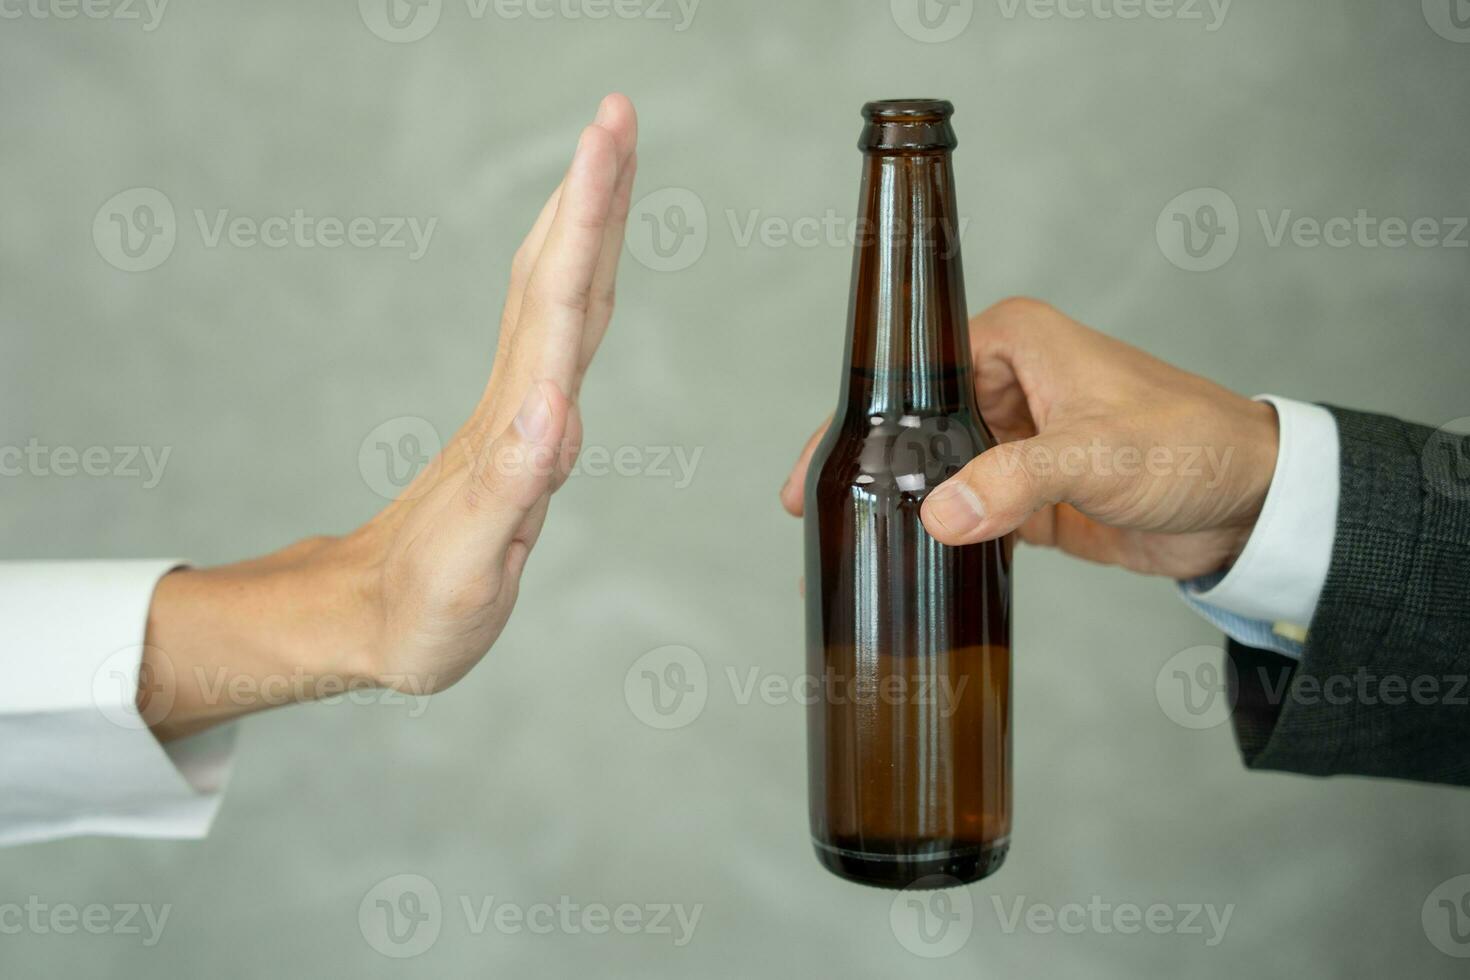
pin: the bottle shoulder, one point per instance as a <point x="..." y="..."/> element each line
<point x="909" y="454"/>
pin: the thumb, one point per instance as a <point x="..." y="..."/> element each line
<point x="1000" y="488"/>
<point x="513" y="473"/>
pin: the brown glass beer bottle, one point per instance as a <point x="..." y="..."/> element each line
<point x="908" y="641"/>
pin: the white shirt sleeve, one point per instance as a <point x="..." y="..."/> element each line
<point x="75" y="756"/>
<point x="1267" y="599"/>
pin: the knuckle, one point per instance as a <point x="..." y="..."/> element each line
<point x="485" y="488"/>
<point x="572" y="297"/>
<point x="607" y="297"/>
<point x="545" y="296"/>
<point x="479" y="498"/>
<point x="1021" y="467"/>
<point x="590" y="223"/>
<point x="1023" y="308"/>
<point x="599" y="140"/>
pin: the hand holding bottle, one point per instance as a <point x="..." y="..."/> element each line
<point x="1107" y="453"/>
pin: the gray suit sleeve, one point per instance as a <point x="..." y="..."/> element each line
<point x="1383" y="686"/>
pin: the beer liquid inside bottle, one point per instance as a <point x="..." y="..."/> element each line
<point x="908" y="640"/>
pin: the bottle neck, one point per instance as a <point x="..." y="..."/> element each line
<point x="908" y="344"/>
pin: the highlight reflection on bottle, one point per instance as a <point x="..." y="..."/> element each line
<point x="909" y="740"/>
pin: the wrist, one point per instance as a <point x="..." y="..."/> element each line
<point x="1257" y="440"/>
<point x="328" y="612"/>
<point x="229" y="641"/>
<point x="1279" y="575"/>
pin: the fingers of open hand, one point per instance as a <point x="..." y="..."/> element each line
<point x="520" y="270"/>
<point x="617" y="116"/>
<point x="563" y="264"/>
<point x="549" y="332"/>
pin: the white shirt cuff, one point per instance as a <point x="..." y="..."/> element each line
<point x="1277" y="581"/>
<point x="75" y="756"/>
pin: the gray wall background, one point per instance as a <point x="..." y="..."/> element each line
<point x="265" y="369"/>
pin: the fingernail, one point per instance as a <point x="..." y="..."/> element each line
<point x="602" y="112"/>
<point x="534" y="415"/>
<point x="955" y="507"/>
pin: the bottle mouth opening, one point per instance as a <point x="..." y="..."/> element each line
<point x="908" y="110"/>
<point x="908" y="126"/>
